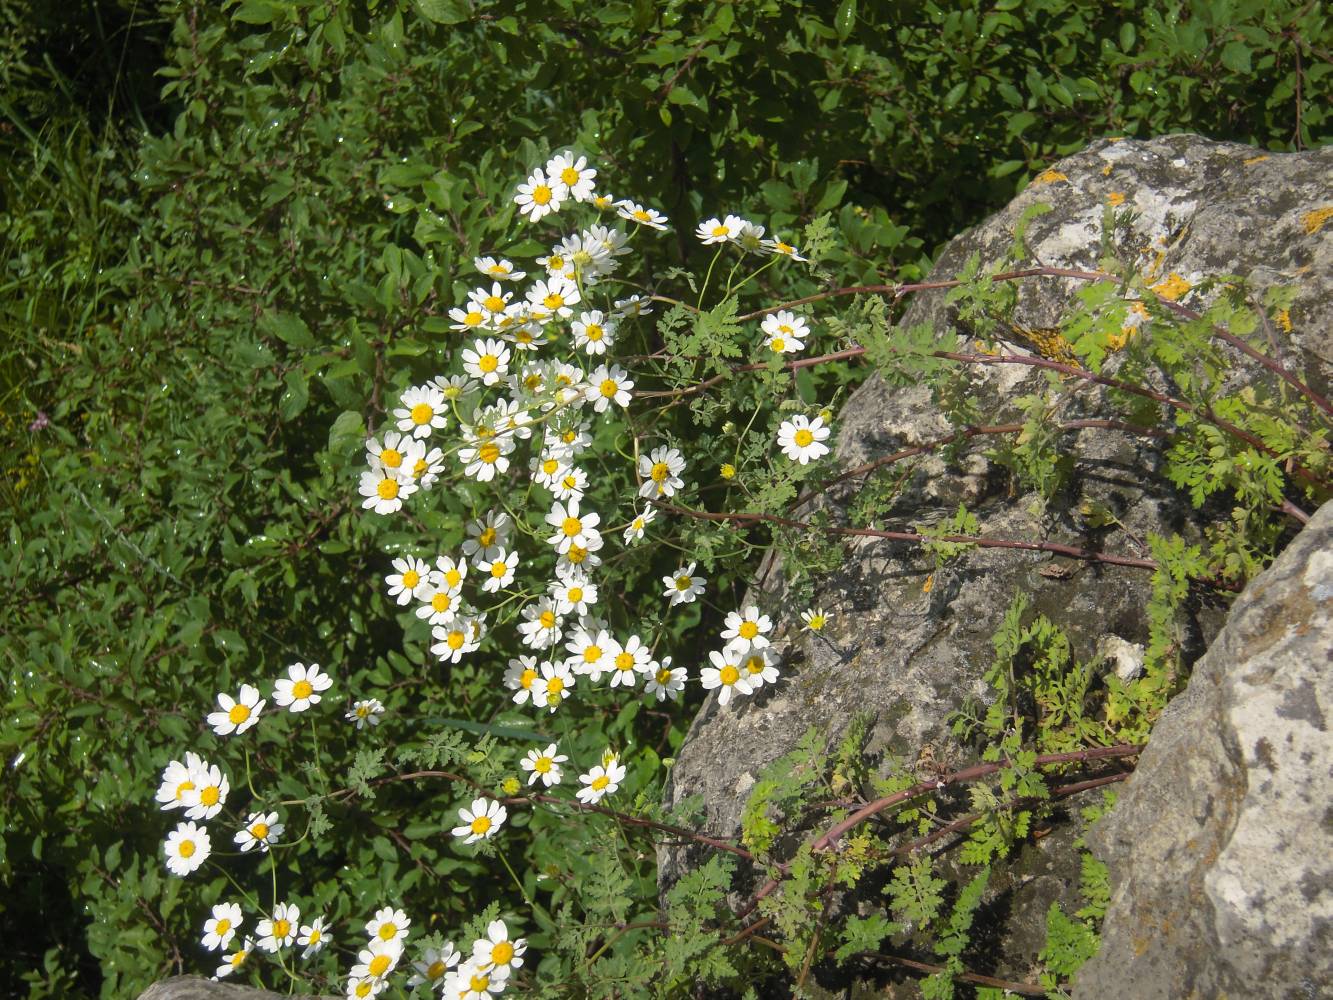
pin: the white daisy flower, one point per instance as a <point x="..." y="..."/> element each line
<point x="544" y="764"/>
<point x="377" y="959"/>
<point x="440" y="604"/>
<point x="760" y="667"/>
<point x="539" y="196"/>
<point x="187" y="847"/>
<point x="802" y="440"/>
<point x="574" y="593"/>
<point x="776" y="246"/>
<point x="682" y="586"/>
<point x="815" y="619"/>
<point x="231" y="963"/>
<point x="628" y="661"/>
<point x="483" y="820"/>
<point x="726" y="674"/>
<point x="209" y="794"/>
<point x="222" y="926"/>
<point x="471" y="982"/>
<point x="434" y="963"/>
<point x="301" y="687"/>
<point x="607" y="385"/>
<point x="591" y="653"/>
<point x="636" y="213"/>
<point x="388" y="924"/>
<point x="784" y="332"/>
<point x="577" y="177"/>
<point x="570" y="484"/>
<point x="500" y="571"/>
<point x="639" y="524"/>
<point x="520" y="676"/>
<point x="747" y="628"/>
<point x="555" y="295"/>
<point x="660" y="471"/>
<point x="408" y="580"/>
<point x="487" y="459"/>
<point x="486" y="360"/>
<point x="600" y="782"/>
<point x="666" y="681"/>
<point x="396" y="455"/>
<point x="572" y="526"/>
<point x="314" y="937"/>
<point x="593" y="332"/>
<point x="449" y="573"/>
<point x="541" y="625"/>
<point x="365" y="713"/>
<point x="457" y="639"/>
<point x="635" y="305"/>
<point x="499" y="270"/>
<point x="178" y="781"/>
<point x="552" y="688"/>
<point x="260" y="830"/>
<point x="237" y="714"/>
<point x="279" y="930"/>
<point x="421" y="409"/>
<point x="383" y="492"/>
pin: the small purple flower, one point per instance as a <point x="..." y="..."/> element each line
<point x="41" y="423"/>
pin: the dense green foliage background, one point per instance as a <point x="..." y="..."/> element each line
<point x="223" y="226"/>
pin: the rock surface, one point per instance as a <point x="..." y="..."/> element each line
<point x="910" y="653"/>
<point x="1220" y="846"/>
<point x="194" y="988"/>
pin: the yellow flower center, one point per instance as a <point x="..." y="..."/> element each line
<point x="315" y="936"/>
<point x="422" y="413"/>
<point x="502" y="953"/>
<point x="529" y="675"/>
<point x="302" y="689"/>
<point x="571" y="526"/>
<point x="549" y="466"/>
<point x="663" y="675"/>
<point x="748" y="630"/>
<point x="238" y="714"/>
<point x="683" y="583"/>
<point x="435" y="971"/>
<point x="641" y="215"/>
<point x="499" y="568"/>
<point x="481" y="824"/>
<point x="554" y="686"/>
<point x="387" y="489"/>
<point x="487" y="537"/>
<point x="222" y="927"/>
<point x="183" y="787"/>
<point x="488" y="362"/>
<point x="473" y="318"/>
<point x="779" y="344"/>
<point x="592" y="654"/>
<point x="576" y="554"/>
<point x="259" y="831"/>
<point x="379" y="965"/>
<point x="784" y="328"/>
<point x="391" y="457"/>
<point x="498" y="270"/>
<point x="569" y="436"/>
<point x="720" y="230"/>
<point x="533" y="382"/>
<point x="186" y="849"/>
<point x="660" y="472"/>
<point x="803" y="438"/>
<point x="388" y="930"/>
<point x="609" y="388"/>
<point x="453" y="577"/>
<point x="541" y="194"/>
<point x="624" y="661"/>
<point x="489" y="453"/>
<point x="594" y="332"/>
<point x="411" y="578"/>
<point x="728" y="675"/>
<point x="600" y="782"/>
<point x="781" y="247"/>
<point x="494" y="303"/>
<point x="817" y="622"/>
<point x="553" y="301"/>
<point x="282" y="928"/>
<point x="210" y="795"/>
<point x="362" y="711"/>
<point x="546" y="619"/>
<point x="456" y="639"/>
<point x="440" y="601"/>
<point x="755" y="665"/>
<point x="239" y="958"/>
<point x="570" y="482"/>
<point x="479" y="984"/>
<point x="542" y="765"/>
<point x="570" y="176"/>
<point x="574" y="595"/>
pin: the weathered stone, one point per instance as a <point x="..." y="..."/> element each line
<point x="910" y="654"/>
<point x="194" y="988"/>
<point x="1220" y="846"/>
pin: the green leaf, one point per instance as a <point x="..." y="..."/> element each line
<point x="1236" y="57"/>
<point x="845" y="19"/>
<point x="289" y="329"/>
<point x="445" y="11"/>
<point x="348" y="430"/>
<point x="296" y="395"/>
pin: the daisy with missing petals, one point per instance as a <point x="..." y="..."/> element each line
<point x="237" y="714"/>
<point x="649" y="217"/>
<point x="574" y="593"/>
<point x="211" y="788"/>
<point x="300" y="688"/>
<point x="421" y="409"/>
<point x="600" y="782"/>
<point x="279" y="930"/>
<point x="666" y="681"/>
<point x="260" y="830"/>
<point x="802" y="439"/>
<point x="815" y="619"/>
<point x="488" y="534"/>
<point x="365" y="713"/>
<point x="776" y="246"/>
<point x="751" y="237"/>
<point x="540" y="195"/>
<point x="635" y="305"/>
<point x="639" y="524"/>
<point x="520" y="676"/>
<point x="222" y="926"/>
<point x="500" y="571"/>
<point x="725" y="674"/>
<point x="497" y="950"/>
<point x="784" y="331"/>
<point x="544" y="765"/>
<point x="427" y="469"/>
<point x="593" y="332"/>
<point x="552" y="688"/>
<point x="384" y="492"/>
<point x="314" y="937"/>
<point x="483" y="820"/>
<point x="498" y="270"/>
<point x="541" y="625"/>
<point x="487" y="360"/>
<point x="555" y="295"/>
<point x="575" y="175"/>
<point x="178" y="782"/>
<point x="365" y="987"/>
<point x="231" y="963"/>
<point x="607" y="386"/>
<point x="719" y="230"/>
<point x="582" y="557"/>
<point x="747" y="628"/>
<point x="187" y="847"/>
<point x="682" y="586"/>
<point x="431" y="967"/>
<point x="660" y="471"/>
<point x="408" y="579"/>
<point x="760" y="667"/>
<point x="388" y="924"/>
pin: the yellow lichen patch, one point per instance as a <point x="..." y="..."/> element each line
<point x="1314" y="221"/>
<point x="1049" y="177"/>
<point x="929" y="584"/>
<point x="1256" y="159"/>
<point x="1284" y="320"/>
<point x="1172" y="287"/>
<point x="1115" y="199"/>
<point x="1106" y="170"/>
<point x="1048" y="342"/>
